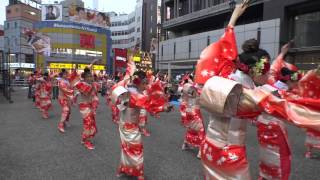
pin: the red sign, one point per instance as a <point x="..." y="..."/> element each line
<point x="87" y="41"/>
<point x="120" y="60"/>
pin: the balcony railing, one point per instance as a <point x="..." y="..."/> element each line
<point x="220" y="8"/>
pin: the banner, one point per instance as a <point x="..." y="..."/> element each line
<point x="51" y="12"/>
<point x="87" y="16"/>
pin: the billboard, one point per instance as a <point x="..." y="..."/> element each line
<point x="87" y="16"/>
<point x="38" y="41"/>
<point x="51" y="12"/>
<point x="87" y="40"/>
<point x="120" y="60"/>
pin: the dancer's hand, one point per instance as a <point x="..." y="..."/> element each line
<point x="238" y="11"/>
<point x="285" y="48"/>
<point x="168" y="108"/>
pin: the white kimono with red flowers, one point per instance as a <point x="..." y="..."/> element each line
<point x="45" y="96"/>
<point x="65" y="98"/>
<point x="87" y="110"/>
<point x="131" y="162"/>
<point x="192" y="118"/>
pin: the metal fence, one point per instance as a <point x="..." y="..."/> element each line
<point x="19" y="83"/>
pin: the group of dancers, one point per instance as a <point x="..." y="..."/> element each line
<point x="236" y="89"/>
<point x="240" y="88"/>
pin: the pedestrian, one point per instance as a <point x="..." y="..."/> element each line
<point x="55" y="90"/>
<point x="30" y="84"/>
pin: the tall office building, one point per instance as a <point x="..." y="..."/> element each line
<point x="188" y="26"/>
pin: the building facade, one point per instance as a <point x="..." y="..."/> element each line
<point x="188" y="26"/>
<point x="126" y="29"/>
<point x="149" y="26"/>
<point x="74" y="44"/>
<point x="18" y="17"/>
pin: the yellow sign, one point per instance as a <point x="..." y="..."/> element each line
<point x="136" y="59"/>
<point x="82" y="66"/>
<point x="95" y="67"/>
<point x="61" y="66"/>
<point x="99" y="67"/>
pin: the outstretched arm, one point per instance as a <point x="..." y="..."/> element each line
<point x="238" y="11"/>
<point x="92" y="63"/>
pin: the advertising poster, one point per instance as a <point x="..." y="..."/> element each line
<point x="87" y="16"/>
<point x="51" y="12"/>
<point x="38" y="41"/>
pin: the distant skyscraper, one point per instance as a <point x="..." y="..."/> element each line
<point x="95" y="4"/>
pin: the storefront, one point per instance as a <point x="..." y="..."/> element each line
<point x="56" y="67"/>
<point x="75" y="45"/>
<point x="21" y="70"/>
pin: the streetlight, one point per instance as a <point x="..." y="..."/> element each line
<point x="232" y="4"/>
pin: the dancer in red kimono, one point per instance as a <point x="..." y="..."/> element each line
<point x="192" y="119"/>
<point x="45" y="95"/>
<point x="95" y="99"/>
<point x="85" y="101"/>
<point x="309" y="93"/>
<point x="143" y="119"/>
<point x="183" y="98"/>
<point x="274" y="151"/>
<point x="132" y="101"/>
<point x="223" y="152"/>
<point x="65" y="98"/>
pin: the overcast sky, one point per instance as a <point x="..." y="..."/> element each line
<point x="119" y="6"/>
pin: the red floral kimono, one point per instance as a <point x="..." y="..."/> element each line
<point x="87" y="110"/>
<point x="131" y="162"/>
<point x="37" y="102"/>
<point x="45" y="97"/>
<point x="95" y="99"/>
<point x="193" y="119"/>
<point x="65" y="101"/>
<point x="223" y="151"/>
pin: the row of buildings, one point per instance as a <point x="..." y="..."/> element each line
<point x="76" y="35"/>
<point x="169" y="33"/>
<point x="188" y="26"/>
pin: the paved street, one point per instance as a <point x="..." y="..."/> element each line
<point x="32" y="148"/>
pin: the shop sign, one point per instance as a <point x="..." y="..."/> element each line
<point x="62" y="66"/>
<point x="95" y="67"/>
<point x="136" y="59"/>
<point x="22" y="65"/>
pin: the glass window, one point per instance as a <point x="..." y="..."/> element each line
<point x="138" y="19"/>
<point x="306" y="29"/>
<point x="184" y="6"/>
<point x="8" y="25"/>
<point x="15" y="24"/>
<point x="138" y="29"/>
